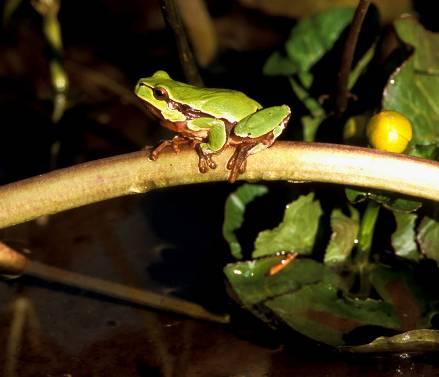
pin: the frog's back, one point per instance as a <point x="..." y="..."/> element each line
<point x="221" y="103"/>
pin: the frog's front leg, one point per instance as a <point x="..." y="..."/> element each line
<point x="213" y="142"/>
<point x="174" y="143"/>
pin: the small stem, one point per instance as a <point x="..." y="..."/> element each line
<point x="172" y="16"/>
<point x="365" y="238"/>
<point x="49" y="10"/>
<point x="367" y="228"/>
<point x="342" y="91"/>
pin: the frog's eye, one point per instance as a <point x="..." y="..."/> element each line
<point x="160" y="94"/>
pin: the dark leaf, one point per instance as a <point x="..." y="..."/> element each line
<point x="428" y="238"/>
<point x="315" y="36"/>
<point x="296" y="232"/>
<point x="320" y="312"/>
<point x="404" y="238"/>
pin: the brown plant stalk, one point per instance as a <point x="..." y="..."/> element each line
<point x="134" y="173"/>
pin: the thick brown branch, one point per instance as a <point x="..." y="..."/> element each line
<point x="293" y="161"/>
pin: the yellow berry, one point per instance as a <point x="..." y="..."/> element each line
<point x="389" y="131"/>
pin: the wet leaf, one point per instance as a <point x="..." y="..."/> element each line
<point x="296" y="232"/>
<point x="423" y="340"/>
<point x="234" y="213"/>
<point x="322" y="313"/>
<point x="413" y="89"/>
<point x="253" y="284"/>
<point x="404" y="238"/>
<point x="428" y="238"/>
<point x="343" y="237"/>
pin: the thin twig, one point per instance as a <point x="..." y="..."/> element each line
<point x="172" y="17"/>
<point x="134" y="173"/>
<point x="122" y="292"/>
<point x="12" y="260"/>
<point x="342" y="91"/>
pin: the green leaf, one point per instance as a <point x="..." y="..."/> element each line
<point x="234" y="213"/>
<point x="389" y="201"/>
<point x="343" y="237"/>
<point x="403" y="239"/>
<point x="296" y="232"/>
<point x="413" y="89"/>
<point x="278" y="64"/>
<point x="312" y="105"/>
<point x="425" y="42"/>
<point x="355" y="196"/>
<point x="310" y="123"/>
<point x="253" y="284"/>
<point x="428" y="238"/>
<point x="394" y="203"/>
<point x="429" y="151"/>
<point x="310" y="126"/>
<point x="322" y="313"/>
<point x="316" y="35"/>
<point x="424" y="340"/>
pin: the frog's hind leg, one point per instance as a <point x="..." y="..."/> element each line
<point x="238" y="162"/>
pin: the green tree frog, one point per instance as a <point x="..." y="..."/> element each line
<point x="209" y="120"/>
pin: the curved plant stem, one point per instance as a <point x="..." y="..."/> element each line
<point x="292" y="161"/>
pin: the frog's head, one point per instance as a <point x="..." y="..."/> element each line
<point x="155" y="91"/>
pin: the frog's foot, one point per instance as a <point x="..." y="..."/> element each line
<point x="174" y="143"/>
<point x="205" y="160"/>
<point x="238" y="162"/>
